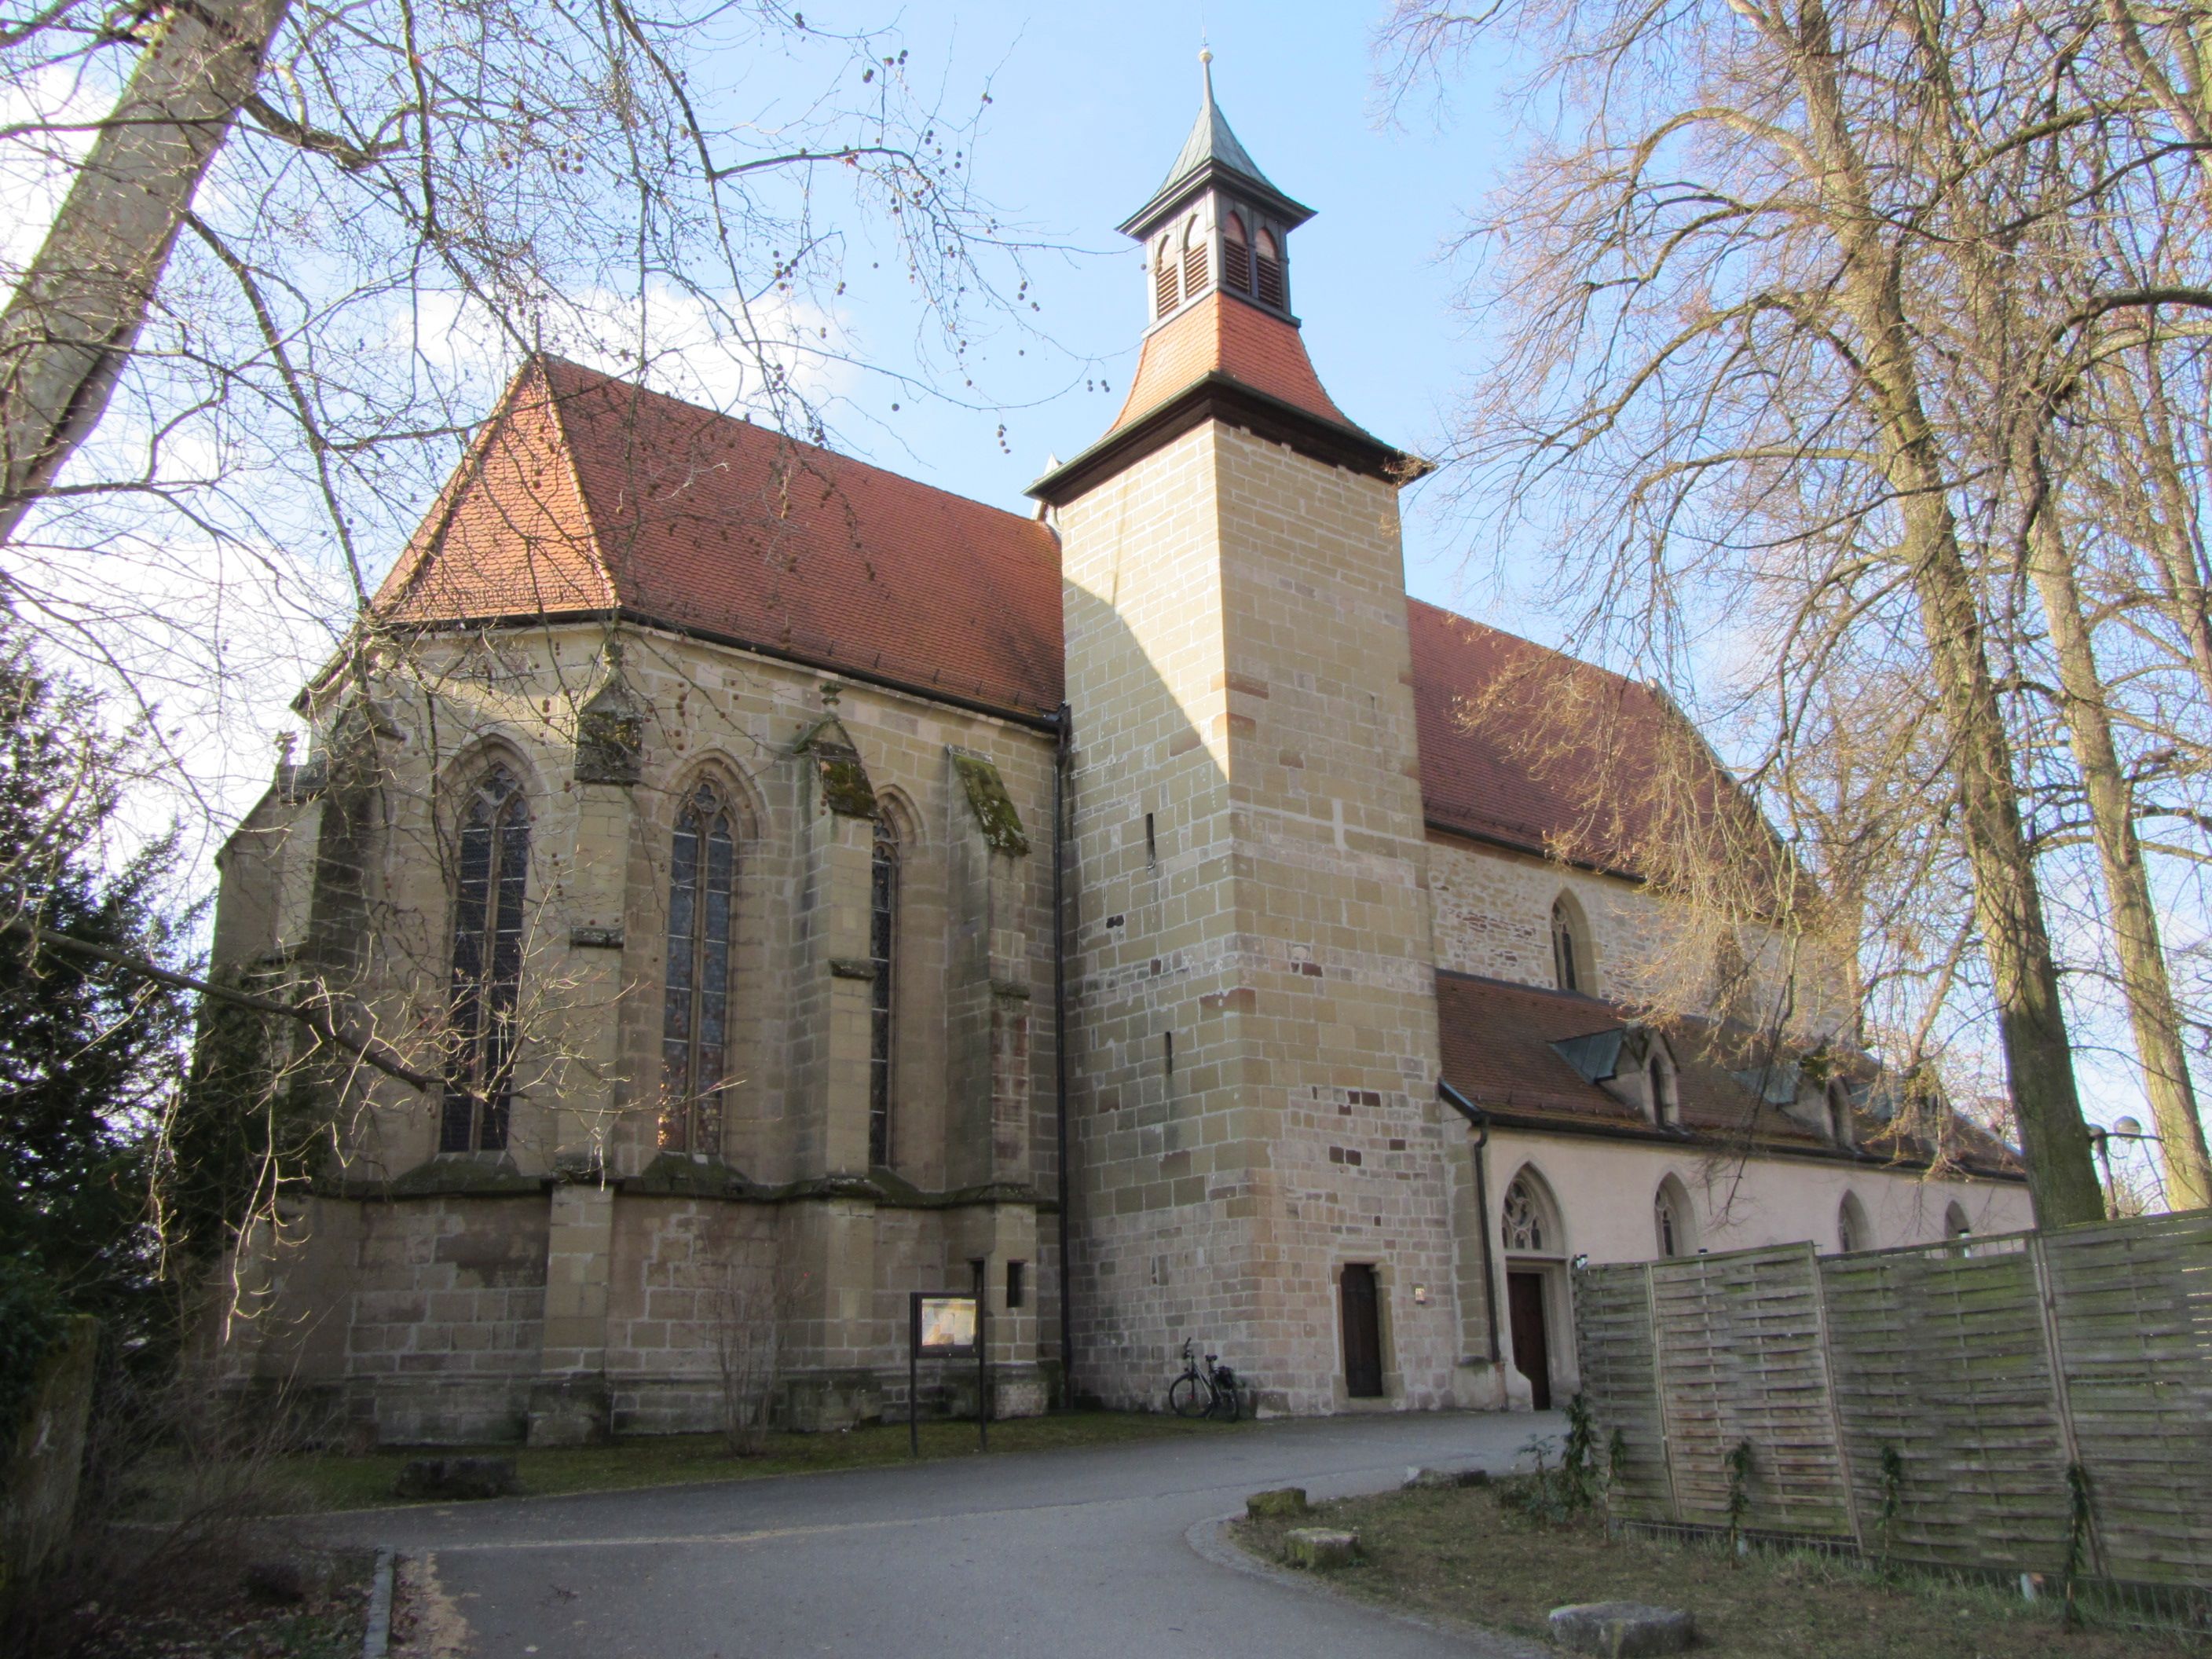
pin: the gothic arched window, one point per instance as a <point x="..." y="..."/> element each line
<point x="1573" y="969"/>
<point x="1526" y="1226"/>
<point x="1193" y="256"/>
<point x="1852" y="1230"/>
<point x="1670" y="1218"/>
<point x="883" y="954"/>
<point x="1235" y="255"/>
<point x="480" y="1026"/>
<point x="695" y="1028"/>
<point x="1955" y="1224"/>
<point x="1163" y="277"/>
<point x="1274" y="290"/>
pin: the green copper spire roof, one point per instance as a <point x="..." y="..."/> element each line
<point x="1211" y="153"/>
<point x="1210" y="140"/>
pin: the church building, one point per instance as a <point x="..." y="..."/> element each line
<point x="769" y="887"/>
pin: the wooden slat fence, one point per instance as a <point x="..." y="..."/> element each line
<point x="1927" y="1403"/>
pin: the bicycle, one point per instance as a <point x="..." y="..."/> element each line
<point x="1209" y="1393"/>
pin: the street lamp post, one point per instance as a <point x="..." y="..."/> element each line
<point x="2124" y="1128"/>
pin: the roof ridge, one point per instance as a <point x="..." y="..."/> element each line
<point x="600" y="377"/>
<point x="566" y="447"/>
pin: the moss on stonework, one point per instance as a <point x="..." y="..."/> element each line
<point x="611" y="730"/>
<point x="845" y="789"/>
<point x="994" y="807"/>
<point x="680" y="1175"/>
<point x="449" y="1177"/>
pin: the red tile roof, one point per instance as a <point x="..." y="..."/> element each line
<point x="1219" y="335"/>
<point x="1527" y="746"/>
<point x="587" y="494"/>
<point x="1497" y="1049"/>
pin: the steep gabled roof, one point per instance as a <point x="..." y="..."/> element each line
<point x="1527" y="747"/>
<point x="585" y="495"/>
<point x="589" y="494"/>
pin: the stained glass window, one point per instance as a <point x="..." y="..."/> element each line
<point x="493" y="869"/>
<point x="882" y="941"/>
<point x="696" y="1005"/>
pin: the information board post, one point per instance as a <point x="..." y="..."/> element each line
<point x="941" y="1325"/>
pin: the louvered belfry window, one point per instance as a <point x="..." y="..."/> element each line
<point x="480" y="1025"/>
<point x="883" y="954"/>
<point x="1194" y="259"/>
<point x="696" y="1014"/>
<point x="1235" y="256"/>
<point x="1163" y="277"/>
<point x="1270" y="273"/>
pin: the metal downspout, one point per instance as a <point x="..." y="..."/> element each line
<point x="1060" y="762"/>
<point x="1480" y="1121"/>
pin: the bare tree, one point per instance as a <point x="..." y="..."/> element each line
<point x="1712" y="355"/>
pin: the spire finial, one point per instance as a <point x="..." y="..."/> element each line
<point x="1205" y="72"/>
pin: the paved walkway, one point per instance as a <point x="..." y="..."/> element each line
<point x="1064" y="1554"/>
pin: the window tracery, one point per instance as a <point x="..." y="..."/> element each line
<point x="493" y="870"/>
<point x="1525" y="1227"/>
<point x="696" y="1012"/>
<point x="883" y="942"/>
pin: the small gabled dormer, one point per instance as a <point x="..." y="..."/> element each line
<point x="1216" y="225"/>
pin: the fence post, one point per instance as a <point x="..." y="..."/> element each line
<point x="1835" y="1408"/>
<point x="1659" y="1397"/>
<point x="2054" y="1354"/>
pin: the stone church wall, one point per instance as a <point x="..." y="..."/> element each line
<point x="475" y="1293"/>
<point x="1238" y="668"/>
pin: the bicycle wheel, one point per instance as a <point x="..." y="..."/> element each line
<point x="1189" y="1396"/>
<point x="1228" y="1403"/>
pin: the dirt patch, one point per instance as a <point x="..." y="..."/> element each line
<point x="226" y="1621"/>
<point x="1464" y="1554"/>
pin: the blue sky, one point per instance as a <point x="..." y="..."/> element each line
<point x="1089" y="106"/>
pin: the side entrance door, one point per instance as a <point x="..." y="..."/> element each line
<point x="1363" y="1335"/>
<point x="1532" y="1347"/>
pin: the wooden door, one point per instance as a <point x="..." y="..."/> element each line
<point x="1532" y="1347"/>
<point x="1363" y="1335"/>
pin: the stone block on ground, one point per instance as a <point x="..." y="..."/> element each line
<point x="455" y="1477"/>
<point x="1622" y="1630"/>
<point x="1320" y="1548"/>
<point x="1278" y="1500"/>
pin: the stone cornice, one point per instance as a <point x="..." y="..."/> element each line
<point x="1219" y="396"/>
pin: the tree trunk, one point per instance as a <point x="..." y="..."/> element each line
<point x="2007" y="903"/>
<point x="71" y="324"/>
<point x="2127" y="882"/>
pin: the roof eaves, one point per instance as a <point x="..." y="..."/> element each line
<point x="1222" y="396"/>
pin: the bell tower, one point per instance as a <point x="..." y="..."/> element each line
<point x="1258" y="1159"/>
<point x="1217" y="223"/>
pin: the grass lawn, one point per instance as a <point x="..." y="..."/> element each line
<point x="1459" y="1552"/>
<point x="334" y="1482"/>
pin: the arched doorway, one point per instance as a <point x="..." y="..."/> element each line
<point x="1536" y="1281"/>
